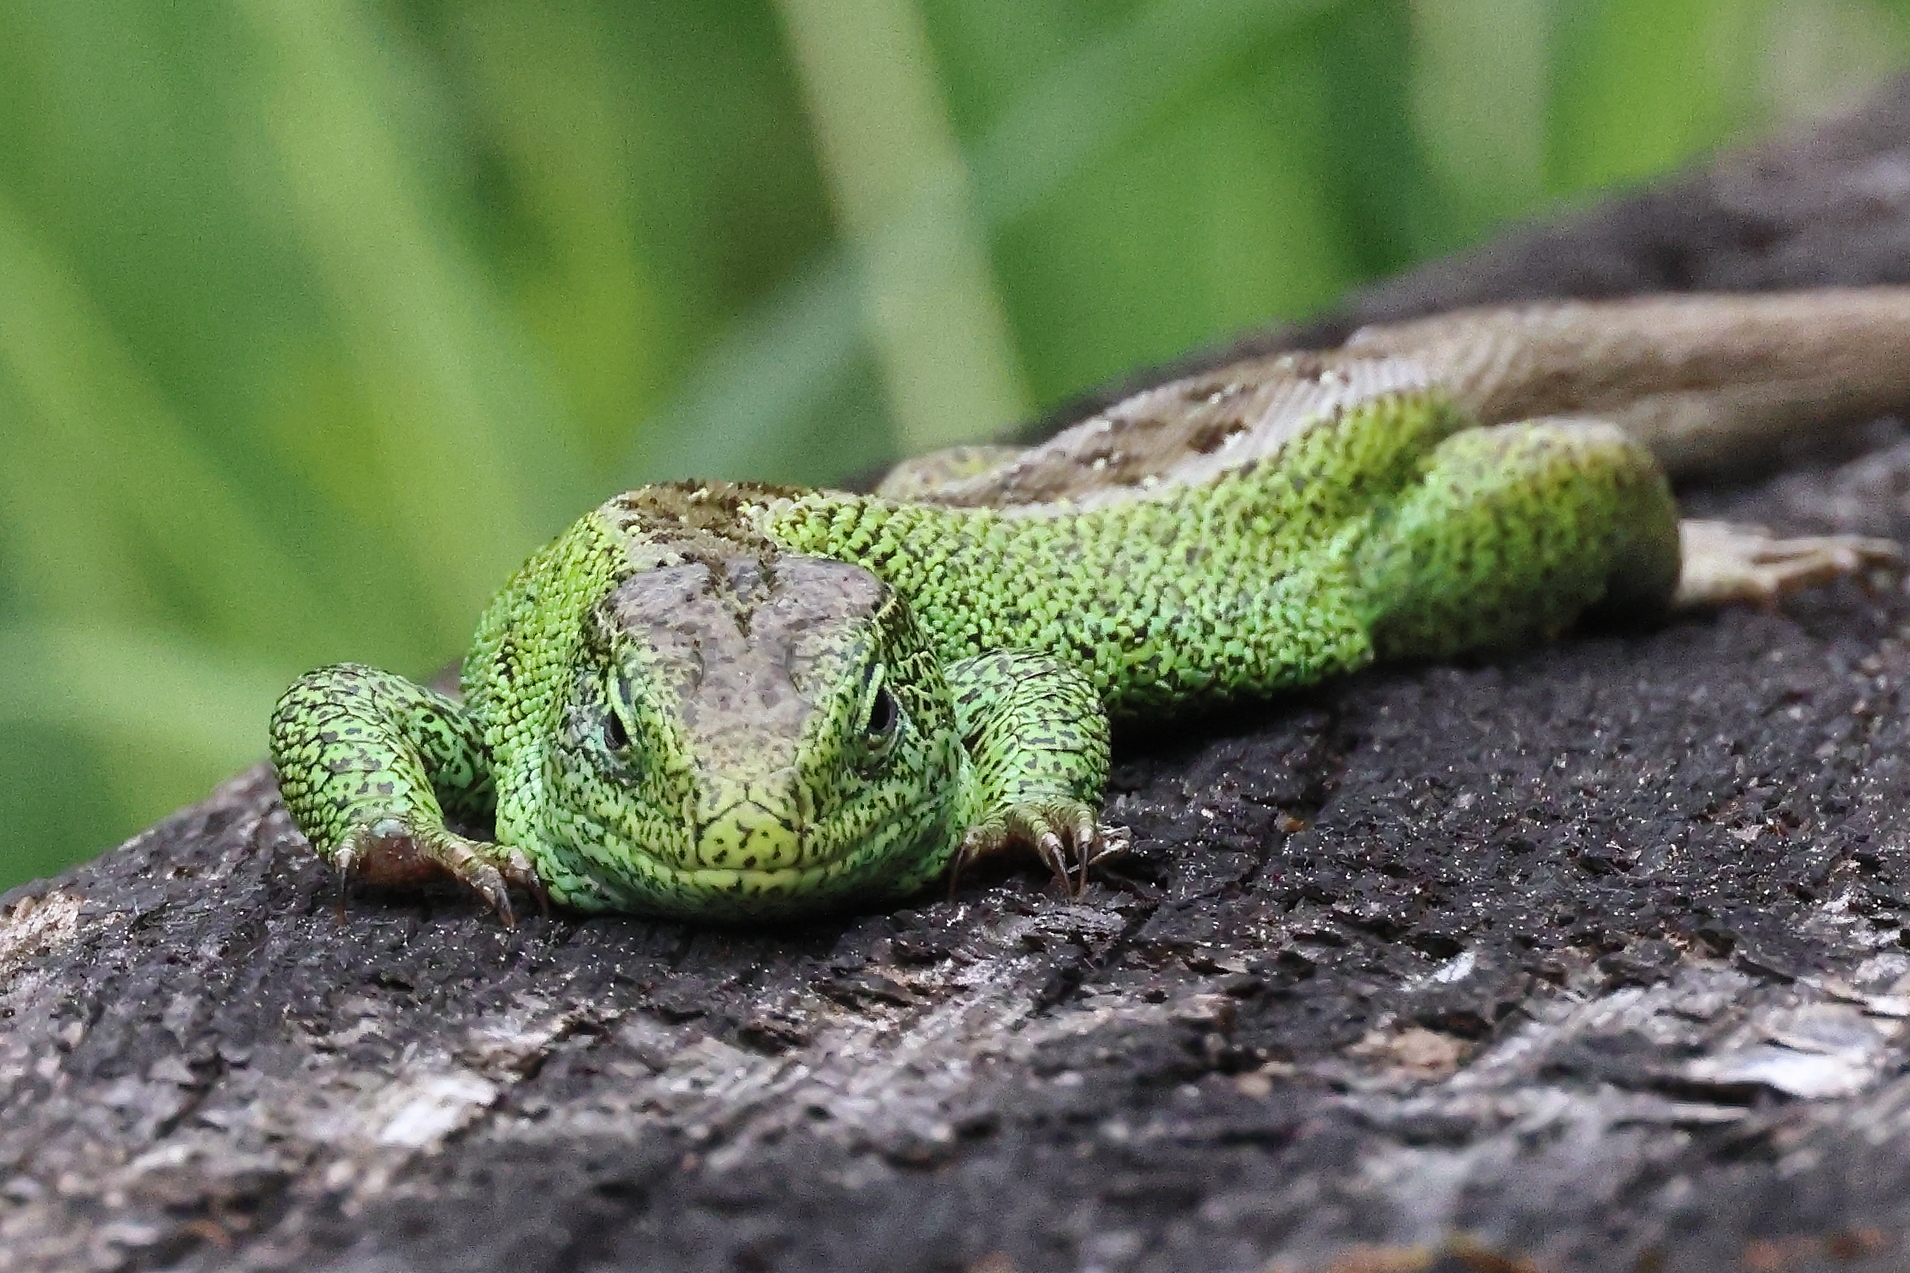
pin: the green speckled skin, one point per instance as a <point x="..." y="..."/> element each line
<point x="729" y="701"/>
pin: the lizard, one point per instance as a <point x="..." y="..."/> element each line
<point x="733" y="701"/>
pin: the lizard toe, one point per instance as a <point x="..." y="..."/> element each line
<point x="516" y="867"/>
<point x="1049" y="849"/>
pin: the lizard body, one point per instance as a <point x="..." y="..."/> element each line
<point x="726" y="700"/>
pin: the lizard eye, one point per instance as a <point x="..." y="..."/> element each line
<point x="616" y="737"/>
<point x="883" y="714"/>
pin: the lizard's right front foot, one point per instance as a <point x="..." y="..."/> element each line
<point x="391" y="851"/>
<point x="1724" y="562"/>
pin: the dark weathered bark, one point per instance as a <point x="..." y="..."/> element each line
<point x="1592" y="958"/>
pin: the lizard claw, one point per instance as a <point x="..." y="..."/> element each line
<point x="1067" y="836"/>
<point x="516" y="867"/>
<point x="1091" y="843"/>
<point x="342" y="863"/>
<point x="488" y="883"/>
<point x="391" y="851"/>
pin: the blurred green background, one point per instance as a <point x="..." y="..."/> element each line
<point x="317" y="315"/>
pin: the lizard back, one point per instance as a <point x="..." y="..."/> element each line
<point x="1231" y="574"/>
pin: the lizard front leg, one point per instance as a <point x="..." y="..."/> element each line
<point x="1037" y="736"/>
<point x="369" y="763"/>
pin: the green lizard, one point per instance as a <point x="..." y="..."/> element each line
<point x="725" y="700"/>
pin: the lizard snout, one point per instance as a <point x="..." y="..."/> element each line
<point x="750" y="826"/>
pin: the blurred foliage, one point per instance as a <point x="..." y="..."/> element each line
<point x="316" y="315"/>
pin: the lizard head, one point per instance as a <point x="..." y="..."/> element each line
<point x="757" y="734"/>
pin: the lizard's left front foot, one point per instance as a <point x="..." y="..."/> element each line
<point x="1724" y="562"/>
<point x="1066" y="835"/>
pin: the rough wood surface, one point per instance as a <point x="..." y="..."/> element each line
<point x="1592" y="958"/>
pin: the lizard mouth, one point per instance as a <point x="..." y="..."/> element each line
<point x="708" y="886"/>
<point x="742" y="882"/>
<point x="715" y="892"/>
<point x="751" y="854"/>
